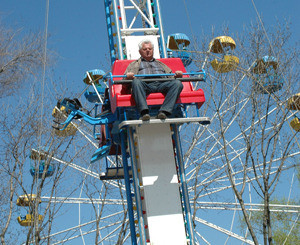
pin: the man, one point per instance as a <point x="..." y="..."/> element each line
<point x="146" y="64"/>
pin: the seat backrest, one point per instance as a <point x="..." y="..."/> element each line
<point x="119" y="68"/>
<point x="175" y="64"/>
<point x="131" y="44"/>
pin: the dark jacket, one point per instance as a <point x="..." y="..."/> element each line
<point x="135" y="65"/>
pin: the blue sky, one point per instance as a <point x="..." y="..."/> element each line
<point x="78" y="36"/>
<point x="77" y="29"/>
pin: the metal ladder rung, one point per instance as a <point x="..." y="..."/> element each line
<point x="100" y="153"/>
<point x="114" y="173"/>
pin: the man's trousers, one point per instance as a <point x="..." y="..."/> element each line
<point x="171" y="89"/>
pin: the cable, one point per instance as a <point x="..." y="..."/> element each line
<point x="262" y="25"/>
<point x="38" y="189"/>
<point x="260" y="20"/>
<point x="44" y="73"/>
<point x="190" y="24"/>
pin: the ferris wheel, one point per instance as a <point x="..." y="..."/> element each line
<point x="109" y="201"/>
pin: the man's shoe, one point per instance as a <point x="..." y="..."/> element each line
<point x="145" y="117"/>
<point x="161" y="115"/>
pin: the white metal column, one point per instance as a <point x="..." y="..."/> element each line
<point x="160" y="184"/>
<point x="135" y="21"/>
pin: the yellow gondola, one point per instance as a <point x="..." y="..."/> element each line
<point x="28" y="219"/>
<point x="295" y="124"/>
<point x="218" y="44"/>
<point x="27" y="199"/>
<point x="229" y="63"/>
<point x="68" y="131"/>
<point x="294" y="102"/>
<point x="61" y="115"/>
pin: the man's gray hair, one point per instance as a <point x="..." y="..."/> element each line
<point x="145" y="41"/>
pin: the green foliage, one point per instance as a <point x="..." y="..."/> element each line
<point x="285" y="226"/>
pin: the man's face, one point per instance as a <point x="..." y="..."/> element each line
<point x="147" y="51"/>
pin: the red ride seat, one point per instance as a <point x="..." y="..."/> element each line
<point x="121" y="97"/>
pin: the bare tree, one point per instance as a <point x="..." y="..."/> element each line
<point x="236" y="101"/>
<point x="243" y="102"/>
<point x="285" y="225"/>
<point x="20" y="56"/>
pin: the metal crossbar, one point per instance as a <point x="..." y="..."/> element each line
<point x="183" y="79"/>
<point x="196" y="76"/>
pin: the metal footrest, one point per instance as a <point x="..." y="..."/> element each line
<point x="201" y="120"/>
<point x="114" y="173"/>
<point x="100" y="153"/>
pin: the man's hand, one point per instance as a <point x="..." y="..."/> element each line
<point x="178" y="74"/>
<point x="130" y="75"/>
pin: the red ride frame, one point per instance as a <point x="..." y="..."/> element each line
<point x="121" y="97"/>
